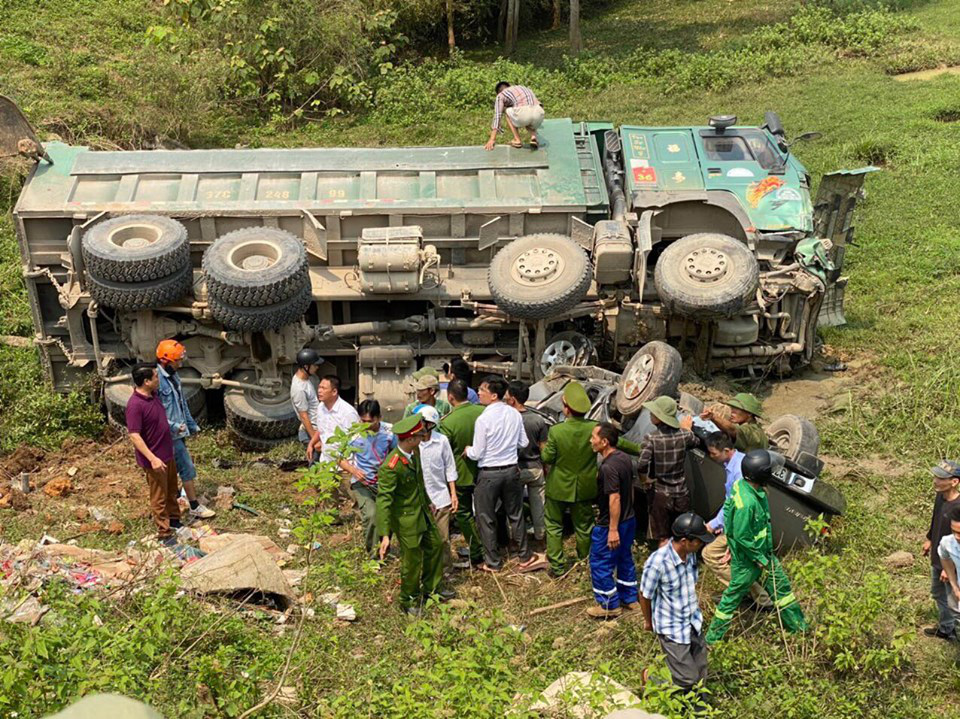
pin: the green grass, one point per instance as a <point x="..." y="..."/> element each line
<point x="899" y="418"/>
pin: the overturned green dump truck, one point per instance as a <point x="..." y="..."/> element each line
<point x="386" y="259"/>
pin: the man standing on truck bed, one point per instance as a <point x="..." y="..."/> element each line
<point x="522" y="109"/>
<point x="170" y="356"/>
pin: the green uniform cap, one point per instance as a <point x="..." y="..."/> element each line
<point x="747" y="402"/>
<point x="407" y="426"/>
<point x="575" y="397"/>
<point x="426" y="372"/>
<point x="665" y="409"/>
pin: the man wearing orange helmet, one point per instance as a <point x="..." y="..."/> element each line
<point x="170" y="356"/>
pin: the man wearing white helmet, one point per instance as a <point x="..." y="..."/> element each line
<point x="439" y="476"/>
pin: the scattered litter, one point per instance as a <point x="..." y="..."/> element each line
<point x="284" y="531"/>
<point x="187" y="554"/>
<point x="293" y="549"/>
<point x="237" y="569"/>
<point x="835" y="367"/>
<point x="99" y="515"/>
<point x="331" y="598"/>
<point x="295" y="576"/>
<point x="47" y="539"/>
<point x="346" y="613"/>
<point x="72" y="472"/>
<point x="219" y="463"/>
<point x="28" y="611"/>
<point x="216" y="542"/>
<point x="575" y="694"/>
<point x="224" y="498"/>
<point x="245" y="508"/>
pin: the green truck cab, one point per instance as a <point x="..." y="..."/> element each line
<point x="388" y="259"/>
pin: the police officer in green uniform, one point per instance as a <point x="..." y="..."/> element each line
<point x="742" y="426"/>
<point x="458" y="427"/>
<point x="572" y="479"/>
<point x="404" y="509"/>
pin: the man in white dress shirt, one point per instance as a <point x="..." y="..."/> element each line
<point x="497" y="438"/>
<point x="439" y="476"/>
<point x="333" y="413"/>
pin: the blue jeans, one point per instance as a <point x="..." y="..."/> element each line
<point x="185" y="467"/>
<point x="946" y="617"/>
<point x="610" y="593"/>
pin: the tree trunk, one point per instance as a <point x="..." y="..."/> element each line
<point x="557" y="12"/>
<point x="576" y="42"/>
<point x="451" y="40"/>
<point x="502" y="21"/>
<point x="513" y="22"/>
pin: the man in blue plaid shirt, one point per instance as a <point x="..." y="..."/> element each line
<point x="668" y="598"/>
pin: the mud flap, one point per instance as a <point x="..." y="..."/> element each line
<point x="831" y="311"/>
<point x="16" y="135"/>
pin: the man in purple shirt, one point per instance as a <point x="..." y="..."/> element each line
<point x="716" y="555"/>
<point x="153" y="445"/>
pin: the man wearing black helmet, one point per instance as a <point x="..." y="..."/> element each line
<point x="303" y="395"/>
<point x="750" y="538"/>
<point x="668" y="598"/>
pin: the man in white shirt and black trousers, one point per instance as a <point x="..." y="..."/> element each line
<point x="497" y="438"/>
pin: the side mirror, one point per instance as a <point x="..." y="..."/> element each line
<point x="16" y="135"/>
<point x="771" y="121"/>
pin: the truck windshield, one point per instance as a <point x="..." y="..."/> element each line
<point x="740" y="145"/>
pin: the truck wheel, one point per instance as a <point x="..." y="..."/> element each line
<point x="259" y="319"/>
<point x="653" y="370"/>
<point x="117" y="394"/>
<point x="247" y="443"/>
<point x="567" y="349"/>
<point x="256" y="267"/>
<point x="141" y="295"/>
<point x="259" y="415"/>
<point x="539" y="276"/>
<point x="791" y="436"/>
<point x="135" y="248"/>
<point x="706" y="275"/>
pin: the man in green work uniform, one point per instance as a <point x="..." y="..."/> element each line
<point x="403" y="508"/>
<point x="750" y="539"/>
<point x="458" y="426"/>
<point x="742" y="425"/>
<point x="572" y="479"/>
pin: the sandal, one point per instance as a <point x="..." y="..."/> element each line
<point x="534" y="143"/>
<point x="517" y="144"/>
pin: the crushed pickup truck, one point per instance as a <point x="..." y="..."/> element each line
<point x="386" y="259"/>
<point x="796" y="495"/>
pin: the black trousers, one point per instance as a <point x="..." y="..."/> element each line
<point x="501" y="484"/>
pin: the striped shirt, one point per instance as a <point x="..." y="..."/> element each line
<point x="513" y="96"/>
<point x="670" y="584"/>
<point x="663" y="455"/>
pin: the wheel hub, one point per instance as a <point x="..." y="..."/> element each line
<point x="254" y="256"/>
<point x="706" y="264"/>
<point x="557" y="353"/>
<point x="637" y="377"/>
<point x="537" y="266"/>
<point x="134" y="237"/>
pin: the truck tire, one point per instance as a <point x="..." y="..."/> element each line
<point x="791" y="436"/>
<point x="539" y="276"/>
<point x="256" y="267"/>
<point x="653" y="370"/>
<point x="259" y="319"/>
<point x="706" y="275"/>
<point x="254" y="414"/>
<point x="117" y="394"/>
<point x="248" y="443"/>
<point x="141" y="295"/>
<point x="135" y="248"/>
